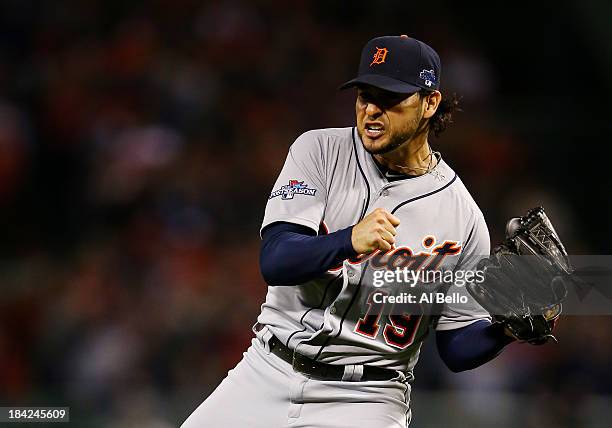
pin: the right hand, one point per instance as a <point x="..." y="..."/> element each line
<point x="375" y="232"/>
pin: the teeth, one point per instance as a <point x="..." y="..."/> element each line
<point x="374" y="128"/>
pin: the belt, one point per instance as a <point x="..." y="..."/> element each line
<point x="323" y="371"/>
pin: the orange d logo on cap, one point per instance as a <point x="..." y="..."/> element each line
<point x="379" y="56"/>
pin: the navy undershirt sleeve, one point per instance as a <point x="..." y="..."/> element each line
<point x="469" y="347"/>
<point x="292" y="254"/>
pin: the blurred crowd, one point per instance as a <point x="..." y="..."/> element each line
<point x="138" y="144"/>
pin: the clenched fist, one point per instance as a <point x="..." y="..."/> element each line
<point x="375" y="232"/>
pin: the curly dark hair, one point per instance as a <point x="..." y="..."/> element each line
<point x="444" y="115"/>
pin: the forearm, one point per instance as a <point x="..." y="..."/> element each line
<point x="291" y="255"/>
<point x="470" y="347"/>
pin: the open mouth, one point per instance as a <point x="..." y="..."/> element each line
<point x="374" y="130"/>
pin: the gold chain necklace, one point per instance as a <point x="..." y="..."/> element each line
<point x="431" y="156"/>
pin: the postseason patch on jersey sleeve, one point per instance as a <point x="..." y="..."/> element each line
<point x="294" y="187"/>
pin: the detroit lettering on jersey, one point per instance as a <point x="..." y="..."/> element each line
<point x="404" y="257"/>
<point x="332" y="183"/>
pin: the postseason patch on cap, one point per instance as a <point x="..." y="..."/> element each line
<point x="429" y="77"/>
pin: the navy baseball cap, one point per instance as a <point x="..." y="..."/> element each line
<point x="398" y="64"/>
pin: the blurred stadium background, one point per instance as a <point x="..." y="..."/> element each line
<point x="139" y="142"/>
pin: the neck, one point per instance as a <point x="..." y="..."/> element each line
<point x="413" y="157"/>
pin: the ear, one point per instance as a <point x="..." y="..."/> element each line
<point x="431" y="104"/>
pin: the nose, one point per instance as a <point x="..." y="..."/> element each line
<point x="372" y="110"/>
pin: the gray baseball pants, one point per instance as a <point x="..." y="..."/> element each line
<point x="264" y="391"/>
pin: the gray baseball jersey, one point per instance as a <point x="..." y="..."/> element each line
<point x="329" y="182"/>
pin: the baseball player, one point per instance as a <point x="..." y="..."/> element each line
<point x="349" y="202"/>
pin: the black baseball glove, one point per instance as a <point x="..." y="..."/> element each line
<point x="525" y="278"/>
